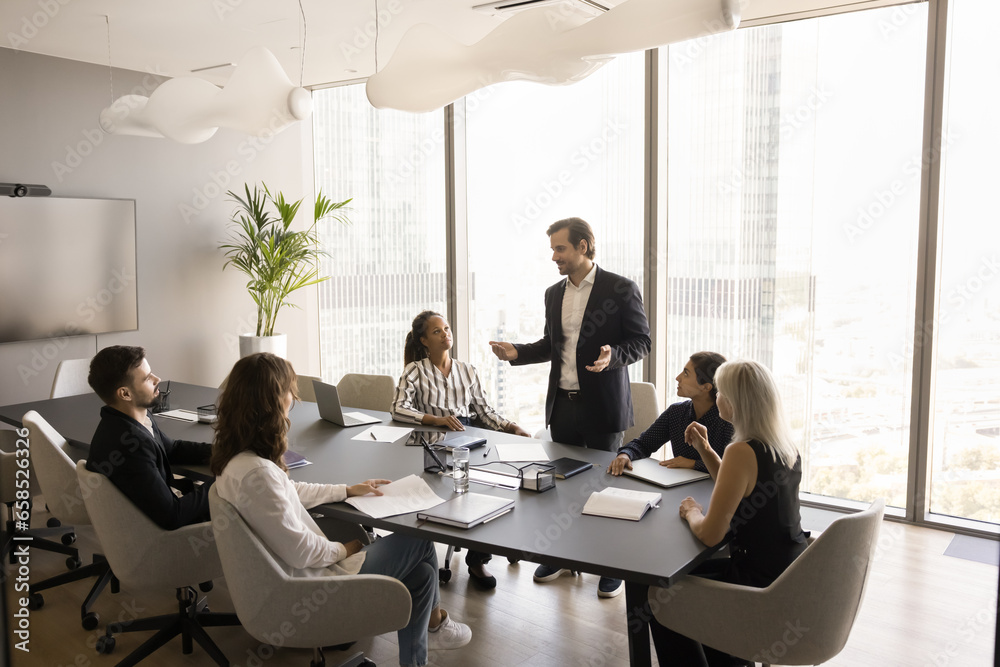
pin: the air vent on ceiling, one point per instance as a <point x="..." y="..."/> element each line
<point x="510" y="6"/>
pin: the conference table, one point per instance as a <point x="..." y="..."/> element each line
<point x="546" y="527"/>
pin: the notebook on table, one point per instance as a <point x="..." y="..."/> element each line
<point x="467" y="510"/>
<point x="328" y="402"/>
<point x="567" y="467"/>
<point x="621" y="503"/>
<point x="649" y="470"/>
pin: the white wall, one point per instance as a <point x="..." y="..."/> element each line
<point x="190" y="312"/>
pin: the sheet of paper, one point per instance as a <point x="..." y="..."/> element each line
<point x="534" y="451"/>
<point x="383" y="433"/>
<point x="409" y="494"/>
<point x="182" y="415"/>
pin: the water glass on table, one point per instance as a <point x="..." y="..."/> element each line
<point x="460" y="468"/>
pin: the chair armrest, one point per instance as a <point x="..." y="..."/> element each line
<point x="305" y="612"/>
<point x="694" y="606"/>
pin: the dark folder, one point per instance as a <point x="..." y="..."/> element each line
<point x="467" y="510"/>
<point x="567" y="467"/>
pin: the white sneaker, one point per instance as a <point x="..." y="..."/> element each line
<point x="450" y="634"/>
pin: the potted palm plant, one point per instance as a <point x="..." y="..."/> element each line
<point x="277" y="260"/>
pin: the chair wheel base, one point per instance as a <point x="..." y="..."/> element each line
<point x="35" y="601"/>
<point x="513" y="561"/>
<point x="68" y="539"/>
<point x="105" y="644"/>
<point x="90" y="621"/>
<point x="52" y="522"/>
<point x="73" y="562"/>
<point x="444" y="576"/>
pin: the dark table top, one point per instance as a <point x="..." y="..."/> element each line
<point x="544" y="527"/>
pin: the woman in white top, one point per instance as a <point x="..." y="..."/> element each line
<point x="250" y="439"/>
<point x="440" y="391"/>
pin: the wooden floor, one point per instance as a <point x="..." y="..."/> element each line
<point x="921" y="608"/>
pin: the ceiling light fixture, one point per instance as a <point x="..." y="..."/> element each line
<point x="258" y="99"/>
<point x="430" y="69"/>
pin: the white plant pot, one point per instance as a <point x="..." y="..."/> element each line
<point x="276" y="345"/>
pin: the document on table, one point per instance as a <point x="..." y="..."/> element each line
<point x="533" y="451"/>
<point x="383" y="433"/>
<point x="410" y="494"/>
<point x="180" y="415"/>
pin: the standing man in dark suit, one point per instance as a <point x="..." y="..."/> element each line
<point x="129" y="448"/>
<point x="595" y="327"/>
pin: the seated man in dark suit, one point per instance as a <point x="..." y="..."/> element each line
<point x="129" y="448"/>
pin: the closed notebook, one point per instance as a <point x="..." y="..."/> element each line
<point x="651" y="471"/>
<point x="467" y="510"/>
<point x="567" y="467"/>
<point x="621" y="503"/>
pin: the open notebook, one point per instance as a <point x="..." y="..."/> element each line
<point x="621" y="503"/>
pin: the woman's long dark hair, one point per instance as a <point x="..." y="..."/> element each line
<point x="252" y="412"/>
<point x="414" y="350"/>
<point x="705" y="364"/>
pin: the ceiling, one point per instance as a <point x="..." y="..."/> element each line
<point x="177" y="37"/>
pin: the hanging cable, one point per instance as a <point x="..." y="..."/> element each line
<point x="303" y="38"/>
<point x="111" y="79"/>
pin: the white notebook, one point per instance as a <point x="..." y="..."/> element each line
<point x="621" y="503"/>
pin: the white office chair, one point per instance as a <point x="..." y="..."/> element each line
<point x="645" y="409"/>
<point x="268" y="601"/>
<point x="367" y="392"/>
<point x="57" y="479"/>
<point x="71" y="378"/>
<point x="822" y="591"/>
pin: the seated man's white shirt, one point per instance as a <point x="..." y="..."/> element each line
<point x="276" y="508"/>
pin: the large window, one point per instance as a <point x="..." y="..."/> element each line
<point x="537" y="154"/>
<point x="965" y="445"/>
<point x="793" y="183"/>
<point x="390" y="263"/>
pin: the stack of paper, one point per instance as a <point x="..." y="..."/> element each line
<point x="410" y="494"/>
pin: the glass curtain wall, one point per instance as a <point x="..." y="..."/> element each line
<point x="537" y="154"/>
<point x="964" y="456"/>
<point x="792" y="171"/>
<point x="389" y="264"/>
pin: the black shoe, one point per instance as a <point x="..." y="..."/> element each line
<point x="544" y="573"/>
<point x="610" y="588"/>
<point x="485" y="583"/>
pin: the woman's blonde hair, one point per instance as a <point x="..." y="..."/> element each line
<point x="252" y="410"/>
<point x="757" y="411"/>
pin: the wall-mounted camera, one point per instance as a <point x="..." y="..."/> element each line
<point x="24" y="190"/>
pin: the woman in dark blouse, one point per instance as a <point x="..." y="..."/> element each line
<point x="756" y="498"/>
<point x="696" y="383"/>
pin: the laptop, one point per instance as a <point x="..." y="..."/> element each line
<point x="328" y="401"/>
<point x="649" y="470"/>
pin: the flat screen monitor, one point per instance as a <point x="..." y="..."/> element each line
<point x="67" y="267"/>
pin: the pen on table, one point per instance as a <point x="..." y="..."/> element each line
<point x="487" y="452"/>
<point x="372" y="434"/>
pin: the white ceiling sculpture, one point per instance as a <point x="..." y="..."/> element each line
<point x="259" y="99"/>
<point x="430" y="69"/>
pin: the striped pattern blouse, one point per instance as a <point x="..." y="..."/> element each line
<point x="423" y="389"/>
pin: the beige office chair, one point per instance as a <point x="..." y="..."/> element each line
<point x="368" y="392"/>
<point x="645" y="409"/>
<point x="71" y="378"/>
<point x="54" y="470"/>
<point x="266" y="598"/>
<point x="143" y="556"/>
<point x="305" y="388"/>
<point x="803" y="618"/>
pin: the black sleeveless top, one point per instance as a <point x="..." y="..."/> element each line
<point x="767" y="532"/>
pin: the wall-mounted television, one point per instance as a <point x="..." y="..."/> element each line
<point x="67" y="267"/>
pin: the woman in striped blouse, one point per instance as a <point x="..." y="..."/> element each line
<point x="437" y="390"/>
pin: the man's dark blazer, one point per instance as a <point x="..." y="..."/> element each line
<point x="614" y="316"/>
<point x="125" y="452"/>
